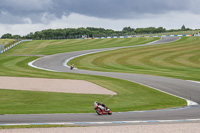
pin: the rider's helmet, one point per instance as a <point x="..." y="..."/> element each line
<point x="95" y="103"/>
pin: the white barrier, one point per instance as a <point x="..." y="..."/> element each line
<point x="3" y="51"/>
<point x="135" y="36"/>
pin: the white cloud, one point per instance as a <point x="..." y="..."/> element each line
<point x="4" y="12"/>
<point x="27" y="20"/>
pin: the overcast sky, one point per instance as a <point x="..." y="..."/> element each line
<point x="25" y="16"/>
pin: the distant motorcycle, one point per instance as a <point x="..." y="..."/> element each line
<point x="71" y="67"/>
<point x="101" y="110"/>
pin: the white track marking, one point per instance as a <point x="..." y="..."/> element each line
<point x="194" y="81"/>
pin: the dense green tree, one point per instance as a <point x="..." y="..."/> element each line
<point x="16" y="36"/>
<point x="127" y="29"/>
<point x="150" y="30"/>
<point x="72" y="33"/>
<point x="30" y="36"/>
<point x="6" y="36"/>
<point x="183" y="27"/>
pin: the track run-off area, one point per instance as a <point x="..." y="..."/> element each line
<point x="181" y="88"/>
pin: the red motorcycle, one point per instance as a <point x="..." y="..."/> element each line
<point x="102" y="110"/>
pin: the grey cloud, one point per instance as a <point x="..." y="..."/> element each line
<point x="14" y="11"/>
<point x="117" y="9"/>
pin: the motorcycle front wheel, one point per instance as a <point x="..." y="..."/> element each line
<point x="110" y="113"/>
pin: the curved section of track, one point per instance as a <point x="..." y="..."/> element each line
<point x="181" y="88"/>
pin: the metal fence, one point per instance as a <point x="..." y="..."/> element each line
<point x="1" y="47"/>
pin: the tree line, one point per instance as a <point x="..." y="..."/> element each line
<point x="73" y="33"/>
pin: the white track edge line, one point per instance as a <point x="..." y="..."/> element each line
<point x="194" y="81"/>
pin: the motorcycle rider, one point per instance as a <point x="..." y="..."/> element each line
<point x="72" y="66"/>
<point x="102" y="106"/>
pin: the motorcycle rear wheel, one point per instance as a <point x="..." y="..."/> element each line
<point x="99" y="111"/>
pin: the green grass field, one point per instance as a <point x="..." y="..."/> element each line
<point x="171" y="33"/>
<point x="7" y="42"/>
<point x="35" y="126"/>
<point x="48" y="47"/>
<point x="180" y="59"/>
<point x="131" y="96"/>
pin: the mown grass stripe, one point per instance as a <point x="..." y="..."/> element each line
<point x="178" y="59"/>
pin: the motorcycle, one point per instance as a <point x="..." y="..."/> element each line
<point x="72" y="67"/>
<point x="101" y="110"/>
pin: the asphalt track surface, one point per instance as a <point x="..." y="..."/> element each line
<point x="181" y="88"/>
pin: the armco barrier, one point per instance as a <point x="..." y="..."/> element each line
<point x="3" y="51"/>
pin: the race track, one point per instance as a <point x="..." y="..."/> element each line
<point x="181" y="88"/>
